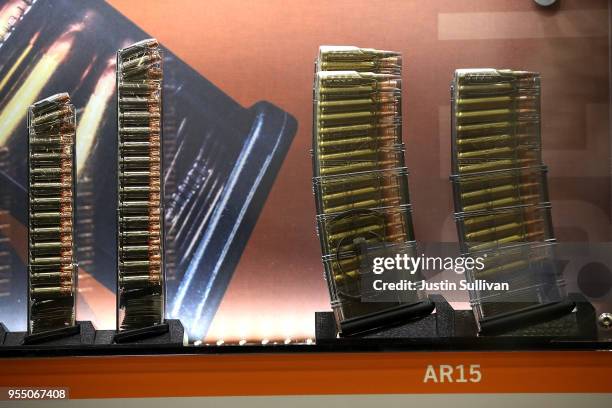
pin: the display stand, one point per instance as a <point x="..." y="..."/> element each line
<point x="573" y="318"/>
<point x="171" y="332"/>
<point x="434" y="325"/>
<point x="3" y="331"/>
<point x="79" y="334"/>
<point x="457" y="329"/>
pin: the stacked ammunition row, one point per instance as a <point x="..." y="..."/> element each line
<point x="140" y="263"/>
<point x="52" y="268"/>
<point x="360" y="181"/>
<point x="501" y="197"/>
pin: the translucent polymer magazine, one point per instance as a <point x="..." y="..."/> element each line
<point x="501" y="200"/>
<point x="140" y="290"/>
<point x="360" y="183"/>
<point x="52" y="267"/>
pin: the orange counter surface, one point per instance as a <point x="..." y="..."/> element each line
<point x="314" y="373"/>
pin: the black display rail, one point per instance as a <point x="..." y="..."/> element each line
<point x="457" y="328"/>
<point x="83" y="336"/>
<point x="444" y="330"/>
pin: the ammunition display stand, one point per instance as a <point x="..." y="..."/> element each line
<point x="83" y="333"/>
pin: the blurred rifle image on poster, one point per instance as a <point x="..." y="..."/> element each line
<point x="220" y="159"/>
